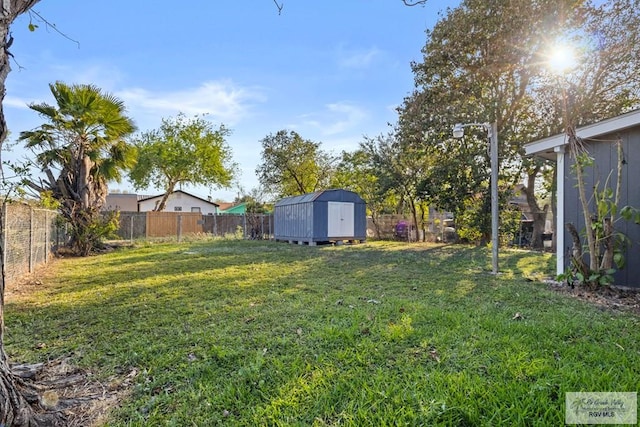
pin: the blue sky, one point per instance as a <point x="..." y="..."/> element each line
<point x="331" y="70"/>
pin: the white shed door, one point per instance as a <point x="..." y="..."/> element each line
<point x="340" y="219"/>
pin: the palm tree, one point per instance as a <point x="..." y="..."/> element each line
<point x="80" y="149"/>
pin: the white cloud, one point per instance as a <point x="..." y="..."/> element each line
<point x="337" y="118"/>
<point x="345" y="116"/>
<point x="222" y="100"/>
<point x="15" y="102"/>
<point x="105" y="76"/>
<point x="358" y="58"/>
<point x="347" y="143"/>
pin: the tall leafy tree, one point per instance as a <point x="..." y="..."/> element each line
<point x="399" y="167"/>
<point x="292" y="165"/>
<point x="357" y="172"/>
<point x="487" y="61"/>
<point x="602" y="82"/>
<point x="183" y="151"/>
<point x="80" y="149"/>
<point x="481" y="64"/>
<point x="456" y="181"/>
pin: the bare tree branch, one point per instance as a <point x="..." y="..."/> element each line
<point x="406" y="3"/>
<point x="48" y="24"/>
<point x="414" y="3"/>
<point x="279" y="6"/>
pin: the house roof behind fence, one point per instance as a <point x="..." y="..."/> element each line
<point x="146" y="198"/>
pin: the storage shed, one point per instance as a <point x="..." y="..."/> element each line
<point x="321" y="217"/>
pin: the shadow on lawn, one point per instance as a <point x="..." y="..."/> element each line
<point x="207" y="306"/>
<point x="209" y="270"/>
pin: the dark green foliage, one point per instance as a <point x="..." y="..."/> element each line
<point x="292" y="165"/>
<point x="79" y="149"/>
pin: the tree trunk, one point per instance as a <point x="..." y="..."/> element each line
<point x="485" y="227"/>
<point x="608" y="244"/>
<point x="85" y="179"/>
<point x="538" y="215"/>
<point x="578" y="150"/>
<point x="423" y="221"/>
<point x="15" y="410"/>
<point x="163" y="201"/>
<point x="576" y="252"/>
<point x="376" y="226"/>
<point x="414" y="215"/>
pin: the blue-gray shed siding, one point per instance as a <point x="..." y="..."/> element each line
<point x="294" y="220"/>
<point x="606" y="158"/>
<point x="306" y="217"/>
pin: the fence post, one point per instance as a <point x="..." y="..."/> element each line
<point x="179" y="228"/>
<point x="131" y="228"/>
<point x="46" y="236"/>
<point x="3" y="240"/>
<point x="31" y="240"/>
<point x="244" y="226"/>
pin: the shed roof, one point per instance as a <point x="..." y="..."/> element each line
<point x="338" y="195"/>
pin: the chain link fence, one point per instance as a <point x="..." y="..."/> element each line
<point x="438" y="228"/>
<point x="30" y="236"/>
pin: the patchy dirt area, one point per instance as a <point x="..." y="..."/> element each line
<point x="74" y="393"/>
<point x="604" y="298"/>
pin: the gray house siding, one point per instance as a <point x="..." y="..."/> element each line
<point x="604" y="151"/>
<point x="307" y="218"/>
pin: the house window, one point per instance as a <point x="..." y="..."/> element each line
<point x="178" y="208"/>
<point x="195" y="209"/>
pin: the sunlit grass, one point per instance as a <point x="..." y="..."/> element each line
<point x="263" y="333"/>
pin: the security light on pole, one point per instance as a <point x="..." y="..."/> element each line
<point x="492" y="132"/>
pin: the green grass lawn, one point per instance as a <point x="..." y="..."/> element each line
<point x="385" y="334"/>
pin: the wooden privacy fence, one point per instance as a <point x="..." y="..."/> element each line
<point x="164" y="224"/>
<point x="142" y="225"/>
